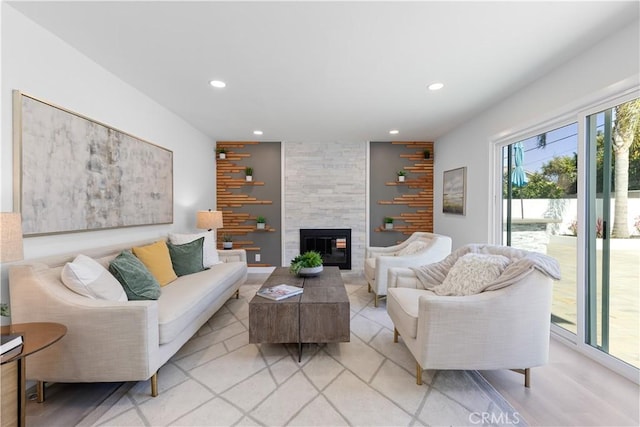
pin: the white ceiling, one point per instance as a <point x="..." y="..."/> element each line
<point x="329" y="71"/>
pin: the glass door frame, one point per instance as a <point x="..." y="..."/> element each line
<point x="605" y="99"/>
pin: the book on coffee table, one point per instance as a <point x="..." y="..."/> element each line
<point x="279" y="292"/>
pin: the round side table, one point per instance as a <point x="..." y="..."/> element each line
<point x="35" y="337"/>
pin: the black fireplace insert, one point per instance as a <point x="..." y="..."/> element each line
<point x="334" y="244"/>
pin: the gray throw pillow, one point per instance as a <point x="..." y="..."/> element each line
<point x="136" y="279"/>
<point x="187" y="258"/>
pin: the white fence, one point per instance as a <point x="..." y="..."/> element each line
<point x="559" y="214"/>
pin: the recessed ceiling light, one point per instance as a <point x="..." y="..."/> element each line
<point x="394" y="132"/>
<point x="435" y="86"/>
<point x="257" y="132"/>
<point x="217" y="83"/>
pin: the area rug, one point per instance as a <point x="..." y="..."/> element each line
<point x="219" y="379"/>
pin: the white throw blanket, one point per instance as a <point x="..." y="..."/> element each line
<point x="522" y="263"/>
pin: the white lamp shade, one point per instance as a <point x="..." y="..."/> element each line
<point x="11" y="237"/>
<point x="209" y="220"/>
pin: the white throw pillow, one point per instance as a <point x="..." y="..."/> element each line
<point x="85" y="276"/>
<point x="413" y="248"/>
<point x="209" y="251"/>
<point x="472" y="273"/>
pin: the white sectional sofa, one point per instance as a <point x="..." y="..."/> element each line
<point x="111" y="341"/>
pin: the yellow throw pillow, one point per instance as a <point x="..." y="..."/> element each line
<point x="157" y="260"/>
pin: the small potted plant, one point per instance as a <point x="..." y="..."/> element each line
<point x="227" y="241"/>
<point x="5" y="313"/>
<point x="427" y="153"/>
<point x="248" y="171"/>
<point x="401" y="175"/>
<point x="261" y="222"/>
<point x="222" y="153"/>
<point x="388" y="223"/>
<point x="307" y="264"/>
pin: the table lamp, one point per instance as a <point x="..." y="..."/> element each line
<point x="10" y="237"/>
<point x="209" y="220"/>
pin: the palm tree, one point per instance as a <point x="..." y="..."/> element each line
<point x="626" y="128"/>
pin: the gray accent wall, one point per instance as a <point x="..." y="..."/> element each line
<point x="385" y="162"/>
<point x="265" y="159"/>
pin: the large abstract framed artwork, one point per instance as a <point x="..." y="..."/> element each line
<point x="72" y="173"/>
<point x="454" y="186"/>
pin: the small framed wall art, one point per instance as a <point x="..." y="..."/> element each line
<point x="454" y="187"/>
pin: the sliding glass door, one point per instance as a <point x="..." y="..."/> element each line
<point x="573" y="192"/>
<point x="613" y="232"/>
<point x="539" y="182"/>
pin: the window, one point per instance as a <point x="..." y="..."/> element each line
<point x="573" y="192"/>
<point x="539" y="183"/>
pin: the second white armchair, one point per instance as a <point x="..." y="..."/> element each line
<point x="419" y="249"/>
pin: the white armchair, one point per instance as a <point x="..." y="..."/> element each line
<point x="506" y="328"/>
<point x="419" y="249"/>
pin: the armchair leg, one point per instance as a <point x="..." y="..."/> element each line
<point x="154" y="385"/>
<point x="375" y="300"/>
<point x="237" y="293"/>
<point x="395" y="335"/>
<point x="418" y="374"/>
<point x="368" y="287"/>
<point x="527" y="376"/>
<point x="40" y="391"/>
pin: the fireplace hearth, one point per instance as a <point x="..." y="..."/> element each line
<point x="334" y="244"/>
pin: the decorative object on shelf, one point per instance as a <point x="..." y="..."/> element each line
<point x="227" y="241"/>
<point x="401" y="175"/>
<point x="248" y="171"/>
<point x="388" y="223"/>
<point x="307" y="264"/>
<point x="261" y="222"/>
<point x="454" y="186"/>
<point x="222" y="153"/>
<point x="208" y="220"/>
<point x="110" y="169"/>
<point x="427" y="154"/>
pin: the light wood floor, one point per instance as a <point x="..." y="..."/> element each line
<point x="571" y="390"/>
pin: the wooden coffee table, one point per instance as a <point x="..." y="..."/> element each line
<point x="319" y="315"/>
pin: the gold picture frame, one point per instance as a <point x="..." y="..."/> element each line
<point x="73" y="173"/>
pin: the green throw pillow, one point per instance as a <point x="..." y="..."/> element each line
<point x="135" y="278"/>
<point x="187" y="258"/>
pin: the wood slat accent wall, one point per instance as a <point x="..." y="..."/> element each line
<point x="230" y="180"/>
<point x="420" y="183"/>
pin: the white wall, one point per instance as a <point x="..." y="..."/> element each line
<point x="36" y="62"/>
<point x="606" y="64"/>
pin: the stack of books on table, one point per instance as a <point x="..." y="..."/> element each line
<point x="279" y="292"/>
<point x="10" y="344"/>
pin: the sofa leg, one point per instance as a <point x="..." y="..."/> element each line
<point x="375" y="300"/>
<point x="369" y="287"/>
<point x="237" y="293"/>
<point x="154" y="385"/>
<point x="395" y="335"/>
<point x="40" y="391"/>
<point x="527" y="376"/>
<point x="418" y="374"/>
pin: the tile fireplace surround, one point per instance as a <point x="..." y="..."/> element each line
<point x="325" y="187"/>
